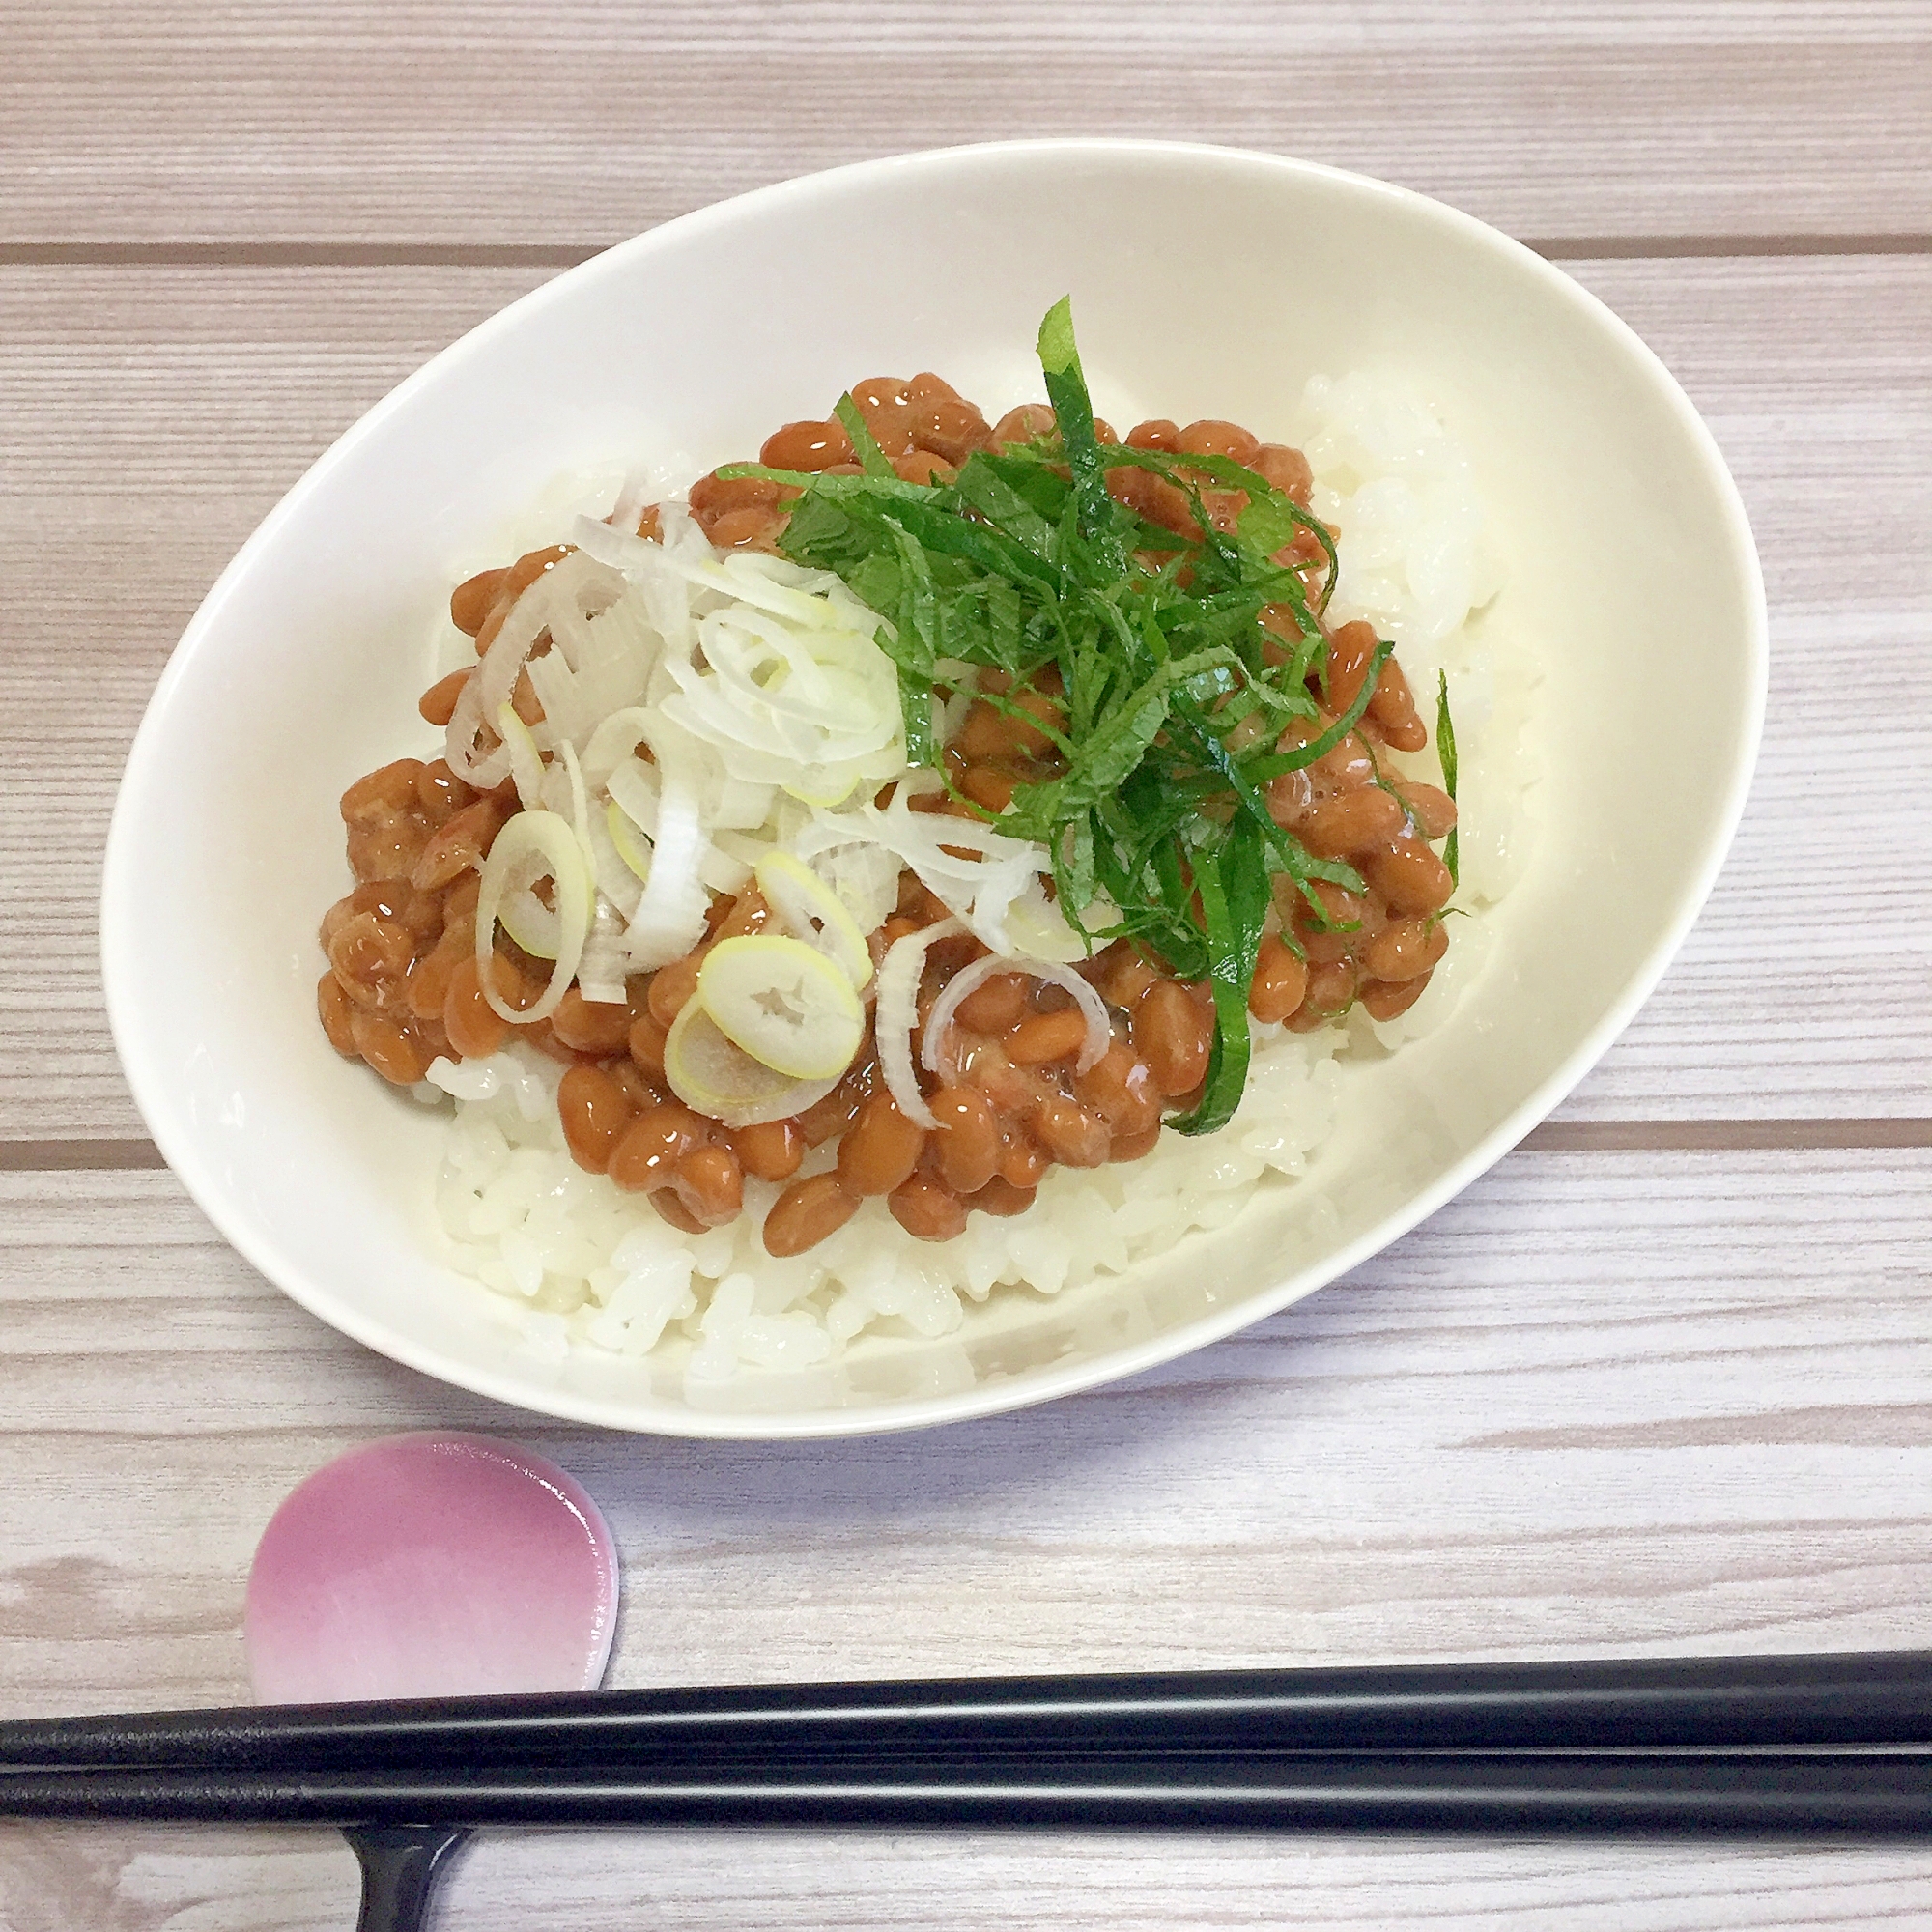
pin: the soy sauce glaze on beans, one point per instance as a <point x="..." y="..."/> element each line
<point x="404" y="987"/>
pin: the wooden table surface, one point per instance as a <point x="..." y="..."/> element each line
<point x="1660" y="1382"/>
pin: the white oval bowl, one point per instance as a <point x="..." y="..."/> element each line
<point x="1205" y="282"/>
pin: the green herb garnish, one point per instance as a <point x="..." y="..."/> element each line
<point x="1445" y="754"/>
<point x="1174" y="693"/>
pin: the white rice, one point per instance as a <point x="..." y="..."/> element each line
<point x="585" y="1265"/>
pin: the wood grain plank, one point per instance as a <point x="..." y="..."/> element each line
<point x="1836" y="484"/>
<point x="1681" y="1403"/>
<point x="1566" y="1134"/>
<point x="147" y="425"/>
<point x="363" y="121"/>
<point x="149" y="417"/>
<point x="118" y="1879"/>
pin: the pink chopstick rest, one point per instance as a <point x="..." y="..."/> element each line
<point x="431" y="1566"/>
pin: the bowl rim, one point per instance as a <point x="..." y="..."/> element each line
<point x="181" y="1150"/>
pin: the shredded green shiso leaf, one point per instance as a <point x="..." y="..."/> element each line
<point x="1445" y="752"/>
<point x="1024" y="561"/>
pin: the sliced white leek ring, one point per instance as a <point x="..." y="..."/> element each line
<point x="613" y="741"/>
<point x="633" y="847"/>
<point x="811" y="911"/>
<point x="534" y="846"/>
<point x="579" y="798"/>
<point x="822" y="786"/>
<point x="897" y="1014"/>
<point x="1037" y="928"/>
<point x="721" y="1080"/>
<point x="785" y="1003"/>
<point x="526" y="765"/>
<point x="531" y="923"/>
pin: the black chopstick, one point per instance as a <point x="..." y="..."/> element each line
<point x="1699" y="1703"/>
<point x="1865" y="1794"/>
